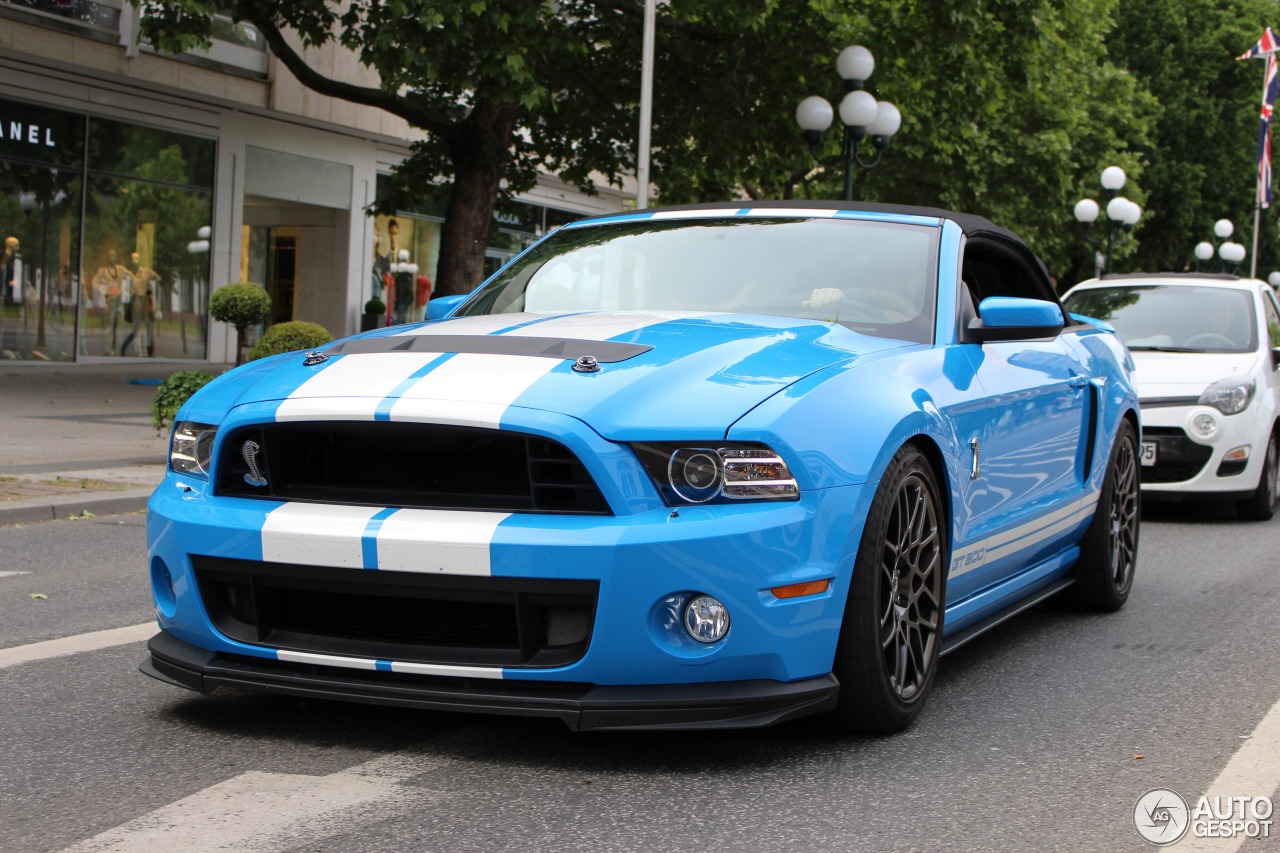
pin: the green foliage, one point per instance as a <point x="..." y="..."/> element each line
<point x="375" y="306"/>
<point x="241" y="305"/>
<point x="175" y="390"/>
<point x="1010" y="109"/>
<point x="289" y="337"/>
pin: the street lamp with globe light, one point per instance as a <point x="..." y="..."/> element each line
<point x="1231" y="253"/>
<point x="1122" y="214"/>
<point x="860" y="114"/>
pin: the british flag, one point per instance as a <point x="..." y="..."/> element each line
<point x="1270" y="88"/>
<point x="1265" y="46"/>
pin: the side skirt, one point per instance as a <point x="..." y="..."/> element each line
<point x="958" y="639"/>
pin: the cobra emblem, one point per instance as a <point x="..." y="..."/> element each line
<point x="249" y="450"/>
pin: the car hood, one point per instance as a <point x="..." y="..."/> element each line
<point x="1179" y="374"/>
<point x="675" y="375"/>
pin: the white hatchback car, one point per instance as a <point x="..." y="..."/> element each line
<point x="1207" y="349"/>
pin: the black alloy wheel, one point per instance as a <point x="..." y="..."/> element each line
<point x="1109" y="549"/>
<point x="892" y="630"/>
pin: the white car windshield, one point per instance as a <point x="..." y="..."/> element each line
<point x="874" y="277"/>
<point x="1173" y="318"/>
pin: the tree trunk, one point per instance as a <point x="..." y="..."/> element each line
<point x="480" y="150"/>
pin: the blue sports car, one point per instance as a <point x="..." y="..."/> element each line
<point x="695" y="467"/>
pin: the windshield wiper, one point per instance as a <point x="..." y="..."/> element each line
<point x="1162" y="349"/>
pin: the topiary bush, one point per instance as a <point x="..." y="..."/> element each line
<point x="375" y="306"/>
<point x="240" y="305"/>
<point x="174" y="391"/>
<point x="287" y="337"/>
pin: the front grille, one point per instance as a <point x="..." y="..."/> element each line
<point x="1178" y="458"/>
<point x="403" y="616"/>
<point x="422" y="466"/>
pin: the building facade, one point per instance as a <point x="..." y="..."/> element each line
<point x="133" y="184"/>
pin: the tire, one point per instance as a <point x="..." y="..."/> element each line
<point x="1261" y="505"/>
<point x="1109" y="549"/>
<point x="892" y="628"/>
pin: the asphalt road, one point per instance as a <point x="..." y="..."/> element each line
<point x="1039" y="736"/>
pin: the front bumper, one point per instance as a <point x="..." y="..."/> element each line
<point x="1191" y="467"/>
<point x="585" y="707"/>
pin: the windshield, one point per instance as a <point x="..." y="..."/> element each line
<point x="1175" y="318"/>
<point x="874" y="277"/>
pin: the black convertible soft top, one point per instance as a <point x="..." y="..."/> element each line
<point x="969" y="223"/>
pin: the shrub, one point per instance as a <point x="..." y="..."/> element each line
<point x="241" y="305"/>
<point x="287" y="337"/>
<point x="375" y="306"/>
<point x="174" y="391"/>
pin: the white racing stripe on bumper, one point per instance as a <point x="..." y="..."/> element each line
<point x="395" y="666"/>
<point x="438" y="541"/>
<point x="316" y="534"/>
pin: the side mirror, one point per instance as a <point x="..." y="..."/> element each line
<point x="1275" y="358"/>
<point x="442" y="306"/>
<point x="1011" y="318"/>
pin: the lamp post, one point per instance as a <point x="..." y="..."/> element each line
<point x="1274" y="279"/>
<point x="1122" y="214"/>
<point x="1229" y="252"/>
<point x="860" y="114"/>
<point x="197" y="247"/>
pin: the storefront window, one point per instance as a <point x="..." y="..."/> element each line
<point x="138" y="284"/>
<point x="406" y="249"/>
<point x="41" y="173"/>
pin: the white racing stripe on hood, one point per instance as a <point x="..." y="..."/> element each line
<point x="316" y="534"/>
<point x="352" y="387"/>
<point x="475" y="389"/>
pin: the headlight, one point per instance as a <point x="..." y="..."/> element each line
<point x="191" y="448"/>
<point x="1230" y="396"/>
<point x="692" y="474"/>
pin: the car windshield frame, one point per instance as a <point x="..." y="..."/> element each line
<point x="1186" y="318"/>
<point x="873" y="276"/>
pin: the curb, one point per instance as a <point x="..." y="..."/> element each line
<point x="64" y="506"/>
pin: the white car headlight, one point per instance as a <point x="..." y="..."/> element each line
<point x="692" y="474"/>
<point x="1231" y="396"/>
<point x="191" y="448"/>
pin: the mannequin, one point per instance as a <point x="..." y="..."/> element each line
<point x="112" y="285"/>
<point x="141" y="307"/>
<point x="8" y="271"/>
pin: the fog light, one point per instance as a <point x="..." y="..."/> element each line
<point x="706" y="619"/>
<point x="1204" y="425"/>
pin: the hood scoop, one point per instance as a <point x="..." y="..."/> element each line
<point x="567" y="349"/>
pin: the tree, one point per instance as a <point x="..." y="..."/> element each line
<point x="505" y="88"/>
<point x="240" y="305"/>
<point x="1201" y="158"/>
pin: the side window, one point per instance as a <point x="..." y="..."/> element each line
<point x="1273" y="319"/>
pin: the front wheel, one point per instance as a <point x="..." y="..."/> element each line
<point x="892" y="629"/>
<point x="1261" y="505"/>
<point x="1109" y="550"/>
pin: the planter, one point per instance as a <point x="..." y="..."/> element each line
<point x="368" y="322"/>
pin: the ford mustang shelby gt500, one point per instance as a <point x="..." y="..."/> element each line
<point x="696" y="467"/>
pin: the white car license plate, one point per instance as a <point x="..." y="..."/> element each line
<point x="1148" y="456"/>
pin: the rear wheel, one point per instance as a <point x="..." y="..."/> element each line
<point x="1261" y="505"/>
<point x="892" y="629"/>
<point x="1109" y="550"/>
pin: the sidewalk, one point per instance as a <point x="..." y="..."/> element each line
<point x="77" y="438"/>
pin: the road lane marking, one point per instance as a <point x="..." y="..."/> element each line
<point x="1253" y="771"/>
<point x="262" y="811"/>
<point x="74" y="645"/>
<point x="12" y="574"/>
